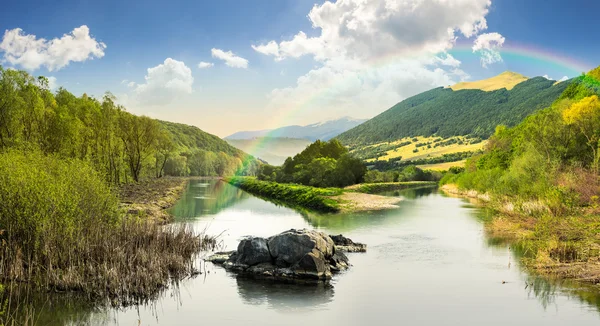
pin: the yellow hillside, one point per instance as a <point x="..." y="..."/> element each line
<point x="507" y="79"/>
<point x="409" y="150"/>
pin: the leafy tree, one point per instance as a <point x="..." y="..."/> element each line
<point x="585" y="115"/>
<point x="139" y="136"/>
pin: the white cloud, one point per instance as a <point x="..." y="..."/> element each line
<point x="488" y="46"/>
<point x="372" y="54"/>
<point x="203" y="65"/>
<point x="560" y="80"/>
<point x="230" y="58"/>
<point x="164" y="83"/>
<point x="29" y="52"/>
<point x="124" y="82"/>
<point x="131" y="84"/>
<point x="271" y="48"/>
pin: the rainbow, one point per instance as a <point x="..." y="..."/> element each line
<point x="511" y="52"/>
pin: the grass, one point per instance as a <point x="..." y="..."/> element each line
<point x="442" y="166"/>
<point x="150" y="198"/>
<point x="292" y="195"/>
<point x="408" y="153"/>
<point x="506" y="80"/>
<point x="373" y="188"/>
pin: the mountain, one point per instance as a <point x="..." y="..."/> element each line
<point x="322" y="130"/>
<point x="445" y="112"/>
<point x="507" y="79"/>
<point x="272" y="150"/>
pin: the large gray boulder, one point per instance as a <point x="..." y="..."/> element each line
<point x="293" y="254"/>
<point x="252" y="251"/>
<point x="291" y="246"/>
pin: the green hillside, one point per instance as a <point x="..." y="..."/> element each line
<point x="188" y="137"/>
<point x="445" y="112"/>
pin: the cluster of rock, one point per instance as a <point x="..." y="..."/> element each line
<point x="293" y="254"/>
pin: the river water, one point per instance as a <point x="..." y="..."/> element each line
<point x="428" y="263"/>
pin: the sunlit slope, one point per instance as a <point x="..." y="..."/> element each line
<point x="507" y="79"/>
<point x="417" y="148"/>
<point x="447" y="113"/>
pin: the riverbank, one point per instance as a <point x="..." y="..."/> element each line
<point x="563" y="247"/>
<point x="326" y="200"/>
<point x="150" y="199"/>
<point x="373" y="188"/>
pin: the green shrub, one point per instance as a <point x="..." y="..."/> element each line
<point x="44" y="199"/>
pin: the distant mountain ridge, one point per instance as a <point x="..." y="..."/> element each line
<point x="272" y="150"/>
<point x="321" y="130"/>
<point x="445" y="112"/>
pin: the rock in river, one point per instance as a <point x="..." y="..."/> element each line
<point x="293" y="254"/>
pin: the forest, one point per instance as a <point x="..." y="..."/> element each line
<point x="445" y="113"/>
<point x="320" y="164"/>
<point x="121" y="146"/>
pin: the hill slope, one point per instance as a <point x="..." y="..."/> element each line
<point x="272" y="150"/>
<point x="191" y="137"/>
<point x="322" y="130"/>
<point x="507" y="79"/>
<point x="445" y="112"/>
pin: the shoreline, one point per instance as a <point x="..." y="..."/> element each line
<point x="153" y="197"/>
<point x="560" y="247"/>
<point x="323" y="200"/>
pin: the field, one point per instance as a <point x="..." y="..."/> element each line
<point x="506" y="80"/>
<point x="442" y="166"/>
<point x="421" y="148"/>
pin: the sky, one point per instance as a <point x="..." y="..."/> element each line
<point x="227" y="66"/>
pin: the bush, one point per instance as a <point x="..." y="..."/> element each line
<point x="45" y="201"/>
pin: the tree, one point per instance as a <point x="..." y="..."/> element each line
<point x="585" y="115"/>
<point x="164" y="149"/>
<point x="139" y="136"/>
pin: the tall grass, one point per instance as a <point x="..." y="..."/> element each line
<point x="61" y="230"/>
<point x="290" y="194"/>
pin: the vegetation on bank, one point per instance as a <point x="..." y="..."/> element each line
<point x="62" y="230"/>
<point x="446" y="113"/>
<point x="293" y="195"/>
<point x="542" y="176"/>
<point x="320" y="164"/>
<point x="150" y="198"/>
<point x="374" y="188"/>
<point x="405" y="174"/>
<point x="324" y="200"/>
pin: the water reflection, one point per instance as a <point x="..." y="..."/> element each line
<point x="51" y="309"/>
<point x="284" y="297"/>
<point x="206" y="197"/>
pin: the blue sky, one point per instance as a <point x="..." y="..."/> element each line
<point x="316" y="67"/>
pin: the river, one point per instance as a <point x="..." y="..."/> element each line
<point x="428" y="263"/>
